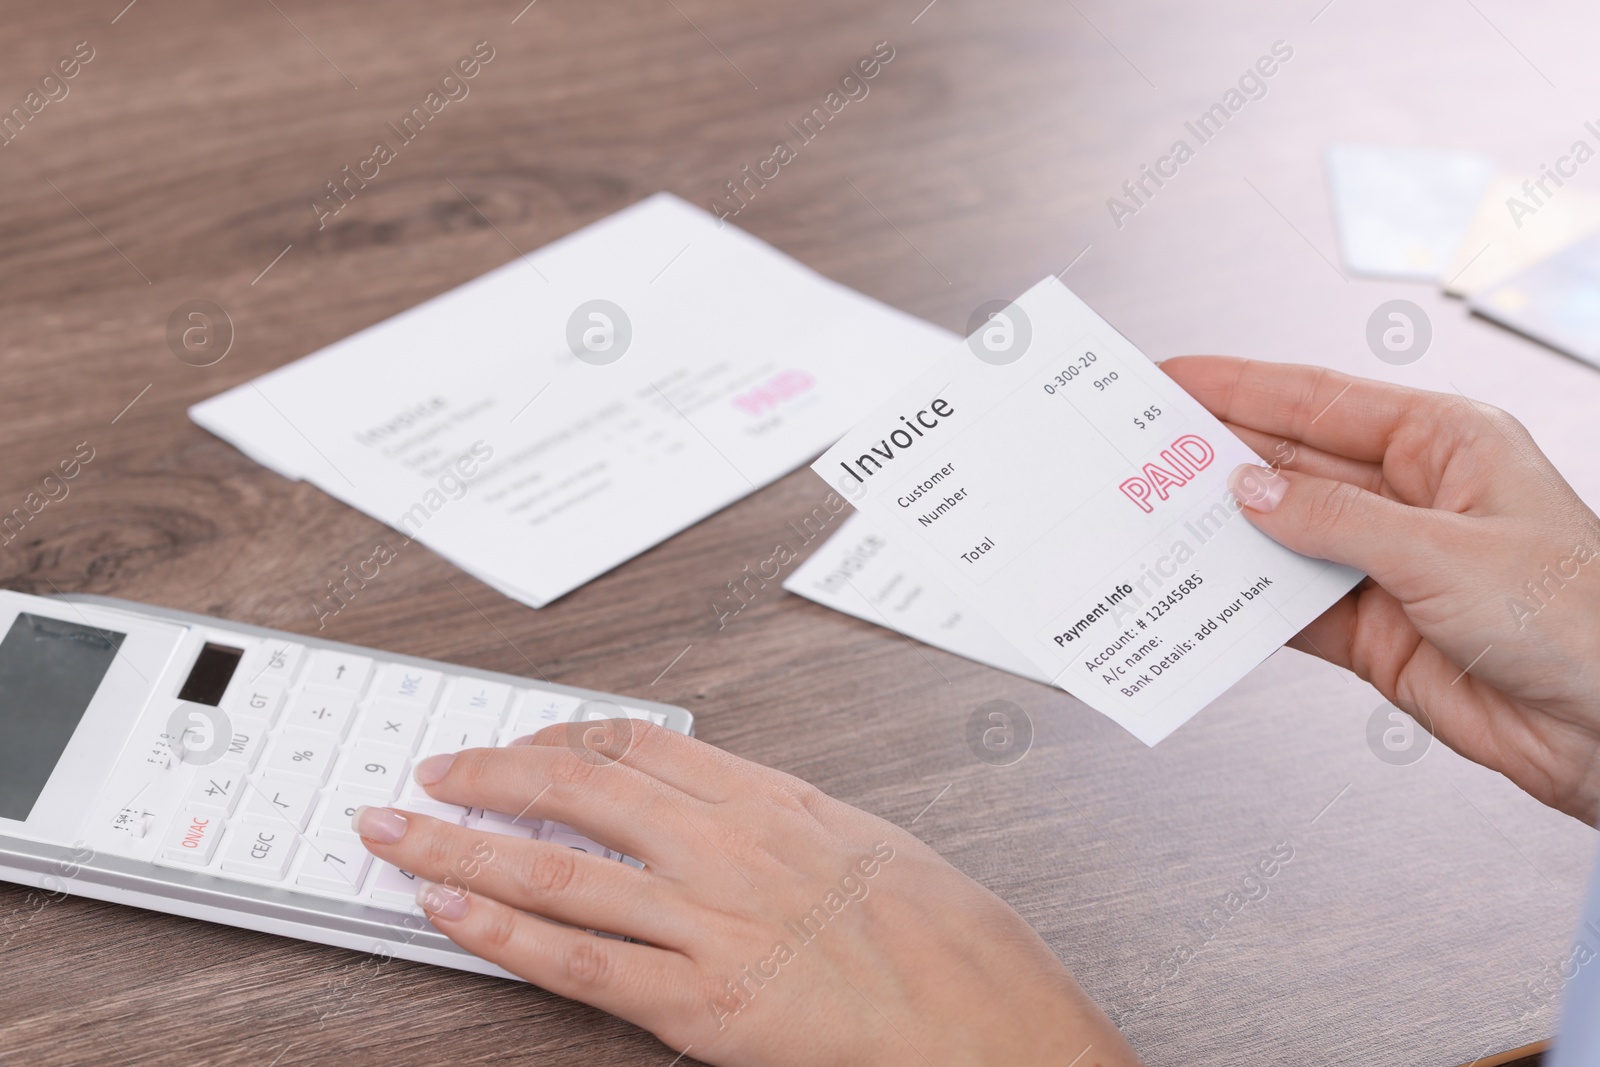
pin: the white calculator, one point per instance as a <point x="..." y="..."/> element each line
<point x="210" y="769"/>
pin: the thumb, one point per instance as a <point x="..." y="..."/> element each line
<point x="1338" y="521"/>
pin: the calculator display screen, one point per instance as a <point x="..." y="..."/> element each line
<point x="49" y="671"/>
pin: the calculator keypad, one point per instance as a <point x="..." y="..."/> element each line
<point x="306" y="757"/>
<point x="192" y="839"/>
<point x="400" y="727"/>
<point x="260" y="849"/>
<point x="321" y="713"/>
<point x="340" y="672"/>
<point x="249" y="737"/>
<point x="281" y="801"/>
<point x="335" y="865"/>
<point x="216" y="793"/>
<point x="411" y="686"/>
<point x="375" y="771"/>
<point x="319" y="732"/>
<point x="277" y="662"/>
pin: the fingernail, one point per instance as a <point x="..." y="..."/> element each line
<point x="434" y="768"/>
<point x="524" y="740"/>
<point x="380" y="824"/>
<point x="441" y="901"/>
<point x="1257" y="488"/>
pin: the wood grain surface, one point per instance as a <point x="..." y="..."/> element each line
<point x="1424" y="906"/>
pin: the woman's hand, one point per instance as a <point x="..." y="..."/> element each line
<point x="775" y="925"/>
<point x="1481" y="614"/>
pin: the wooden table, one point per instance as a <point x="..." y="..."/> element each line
<point x="1422" y="902"/>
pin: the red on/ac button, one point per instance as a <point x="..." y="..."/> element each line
<point x="192" y="838"/>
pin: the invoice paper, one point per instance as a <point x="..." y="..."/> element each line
<point x="549" y="420"/>
<point x="1053" y="478"/>
<point x="859" y="571"/>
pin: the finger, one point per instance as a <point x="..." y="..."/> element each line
<point x="560" y="883"/>
<point x="1396" y="544"/>
<point x="1329" y="635"/>
<point x="1382" y="648"/>
<point x="1420" y="679"/>
<point x="1333" y="634"/>
<point x="692" y="767"/>
<point x="613" y="803"/>
<point x="1471" y="716"/>
<point x="1284" y="454"/>
<point x="640" y="983"/>
<point x="1351" y="417"/>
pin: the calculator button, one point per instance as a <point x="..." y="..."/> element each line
<point x="598" y="711"/>
<point x="454" y="814"/>
<point x="259" y="850"/>
<point x="307" y="757"/>
<point x="320" y="713"/>
<point x="335" y="823"/>
<point x="394" y="887"/>
<point x="338" y="670"/>
<point x="522" y="818"/>
<point x="647" y="716"/>
<point x="216" y="791"/>
<point x="408" y="685"/>
<point x="394" y="724"/>
<point x="279" y="802"/>
<point x="475" y="697"/>
<point x="336" y="866"/>
<point x="249" y="735"/>
<point x="416" y="799"/>
<point x="539" y="710"/>
<point x="276" y="661"/>
<point x="496" y="826"/>
<point x="457" y="732"/>
<point x="582" y="844"/>
<point x="374" y="771"/>
<point x="257" y="701"/>
<point x="193" y="838"/>
<point x="416" y="793"/>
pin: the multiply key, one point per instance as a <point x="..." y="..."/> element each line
<point x="394" y="724"/>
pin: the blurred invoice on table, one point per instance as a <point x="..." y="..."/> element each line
<point x="479" y="424"/>
<point x="1077" y="499"/>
